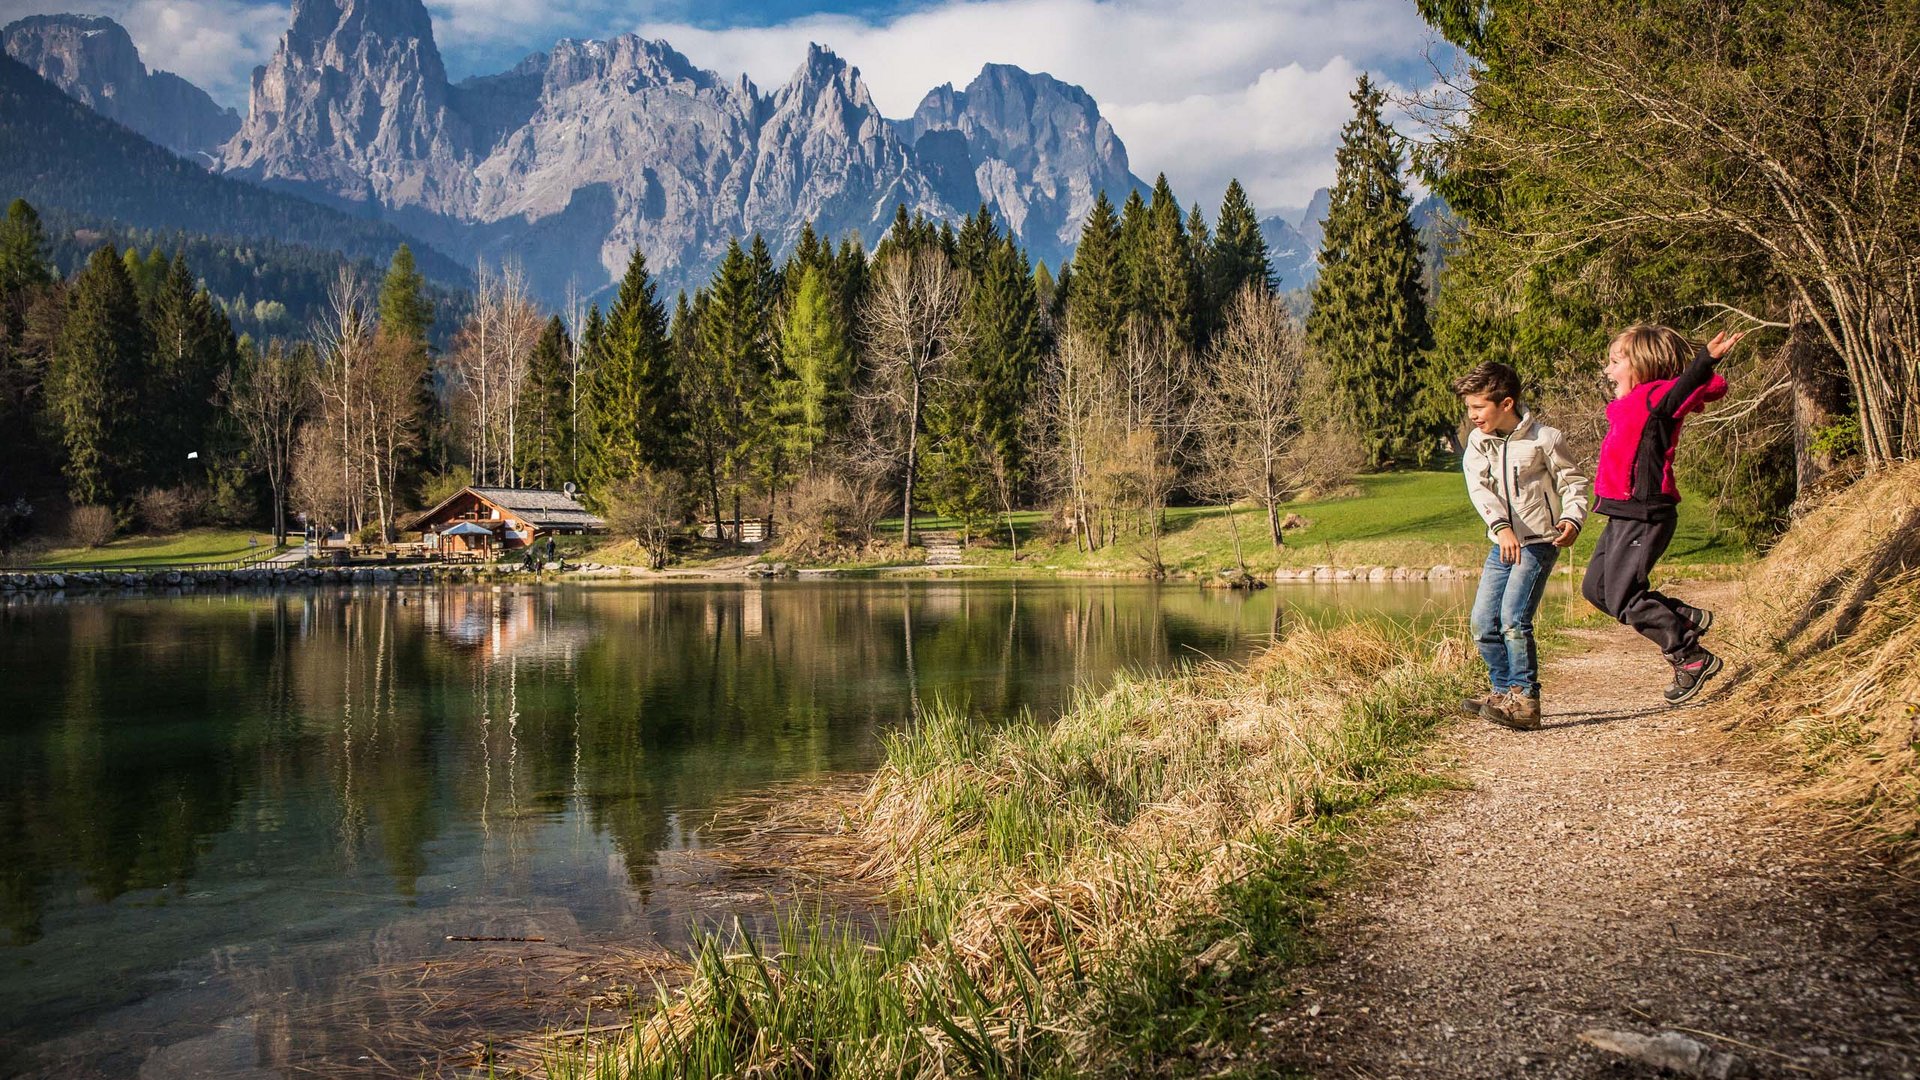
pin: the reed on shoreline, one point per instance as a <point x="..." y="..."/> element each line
<point x="1097" y="894"/>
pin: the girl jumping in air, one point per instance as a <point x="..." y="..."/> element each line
<point x="1658" y="379"/>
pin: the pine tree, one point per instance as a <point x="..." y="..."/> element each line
<point x="976" y="241"/>
<point x="1097" y="298"/>
<point x="91" y="388"/>
<point x="636" y="419"/>
<point x="1239" y="253"/>
<point x="1165" y="276"/>
<point x="192" y="343"/>
<point x="734" y="342"/>
<point x="23" y="251"/>
<point x="545" y="409"/>
<point x="1369" y="318"/>
<point x="812" y="400"/>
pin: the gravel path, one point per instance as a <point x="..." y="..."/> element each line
<point x="1626" y="867"/>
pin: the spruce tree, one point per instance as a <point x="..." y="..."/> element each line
<point x="1165" y="276"/>
<point x="545" y="409"/>
<point x="636" y="419"/>
<point x="976" y="241"/>
<point x="734" y="342"/>
<point x="1369" y="318"/>
<point x="23" y="251"/>
<point x="192" y="343"/>
<point x="91" y="387"/>
<point x="1096" y="302"/>
<point x="1239" y="252"/>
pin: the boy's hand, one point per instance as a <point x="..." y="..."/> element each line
<point x="1569" y="532"/>
<point x="1509" y="546"/>
<point x="1723" y="343"/>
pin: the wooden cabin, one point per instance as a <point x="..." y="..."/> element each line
<point x="512" y="517"/>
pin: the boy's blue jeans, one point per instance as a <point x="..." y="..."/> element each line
<point x="1503" y="615"/>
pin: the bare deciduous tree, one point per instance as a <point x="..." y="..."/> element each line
<point x="267" y="398"/>
<point x="1248" y="411"/>
<point x="914" y="327"/>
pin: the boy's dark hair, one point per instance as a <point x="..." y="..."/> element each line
<point x="1491" y="378"/>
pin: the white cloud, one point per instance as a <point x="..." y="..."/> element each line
<point x="213" y="44"/>
<point x="1205" y="90"/>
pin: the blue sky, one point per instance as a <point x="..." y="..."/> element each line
<point x="1201" y="89"/>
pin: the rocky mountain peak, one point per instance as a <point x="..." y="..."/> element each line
<point x="94" y="60"/>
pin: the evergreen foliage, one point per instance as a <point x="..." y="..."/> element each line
<point x="1098" y="299"/>
<point x="635" y="416"/>
<point x="1369" y="318"/>
<point x="816" y="349"/>
<point x="92" y="386"/>
<point x="546" y="411"/>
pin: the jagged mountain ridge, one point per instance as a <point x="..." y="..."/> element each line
<point x="96" y="63"/>
<point x="577" y="155"/>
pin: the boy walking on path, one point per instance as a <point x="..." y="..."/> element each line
<point x="1533" y="497"/>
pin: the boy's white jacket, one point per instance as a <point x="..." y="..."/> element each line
<point x="1526" y="481"/>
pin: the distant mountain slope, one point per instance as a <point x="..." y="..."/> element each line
<point x="95" y="62"/>
<point x="269" y="289"/>
<point x="56" y="152"/>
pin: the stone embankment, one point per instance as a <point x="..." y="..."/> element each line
<point x="257" y="577"/>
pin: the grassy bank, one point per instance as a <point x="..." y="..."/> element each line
<point x="1107" y="894"/>
<point x="1827" y="644"/>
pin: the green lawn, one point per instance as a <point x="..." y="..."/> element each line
<point x="1399" y="519"/>
<point x="191" y="546"/>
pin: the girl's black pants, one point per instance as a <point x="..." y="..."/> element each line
<point x="1617" y="583"/>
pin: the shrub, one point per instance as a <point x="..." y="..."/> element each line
<point x="165" y="510"/>
<point x="90" y="526"/>
<point x="1323" y="460"/>
<point x="648" y="510"/>
<point x="825" y="511"/>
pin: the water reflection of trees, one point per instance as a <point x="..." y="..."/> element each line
<point x="358" y="730"/>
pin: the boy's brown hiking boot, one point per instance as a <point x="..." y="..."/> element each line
<point x="1515" y="710"/>
<point x="1478" y="705"/>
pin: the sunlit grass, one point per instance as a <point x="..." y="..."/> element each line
<point x="190" y="546"/>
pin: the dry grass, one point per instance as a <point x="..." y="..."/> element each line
<point x="1829" y="639"/>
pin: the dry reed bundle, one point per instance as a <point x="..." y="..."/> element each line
<point x="1828" y="633"/>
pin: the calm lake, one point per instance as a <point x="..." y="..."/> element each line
<point x="237" y="831"/>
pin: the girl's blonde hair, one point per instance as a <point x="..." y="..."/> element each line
<point x="1654" y="352"/>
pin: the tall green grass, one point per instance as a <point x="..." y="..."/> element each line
<point x="1105" y="894"/>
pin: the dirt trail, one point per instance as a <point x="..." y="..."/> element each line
<point x="1625" y="867"/>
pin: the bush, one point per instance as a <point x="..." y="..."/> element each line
<point x="165" y="510"/>
<point x="90" y="526"/>
<point x="826" y="511"/>
<point x="1323" y="461"/>
<point x="648" y="510"/>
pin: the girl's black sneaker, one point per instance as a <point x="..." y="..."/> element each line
<point x="1690" y="675"/>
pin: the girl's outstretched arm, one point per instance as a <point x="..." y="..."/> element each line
<point x="1697" y="373"/>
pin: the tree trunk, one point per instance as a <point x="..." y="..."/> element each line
<point x="913" y="448"/>
<point x="1819" y="399"/>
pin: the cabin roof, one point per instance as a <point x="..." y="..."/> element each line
<point x="541" y="508"/>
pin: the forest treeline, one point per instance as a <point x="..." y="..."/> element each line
<point x="944" y="371"/>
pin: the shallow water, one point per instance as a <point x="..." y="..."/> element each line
<point x="228" y="821"/>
